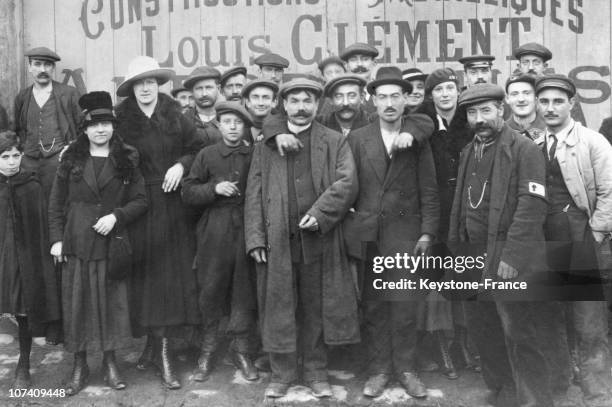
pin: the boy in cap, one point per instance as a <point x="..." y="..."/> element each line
<point x="271" y="66"/>
<point x="579" y="184"/>
<point x="232" y="81"/>
<point x="217" y="182"/>
<point x="203" y="82"/>
<point x="331" y="67"/>
<point x="417" y="78"/>
<point x="499" y="208"/>
<point x="260" y="98"/>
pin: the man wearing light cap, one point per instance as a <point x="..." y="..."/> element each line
<point x="260" y="97"/>
<point x="294" y="206"/>
<point x="520" y="98"/>
<point x="579" y="220"/>
<point x="360" y="59"/>
<point x="203" y="82"/>
<point x="232" y="81"/>
<point x="499" y="209"/>
<point x="416" y="77"/>
<point x="477" y="69"/>
<point x="271" y="66"/>
<point x="47" y="115"/>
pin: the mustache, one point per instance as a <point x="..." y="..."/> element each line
<point x="480" y="80"/>
<point x="345" y="108"/>
<point x="360" y="69"/>
<point x="302" y="113"/>
<point x="42" y="75"/>
<point x="390" y="110"/>
<point x="234" y="97"/>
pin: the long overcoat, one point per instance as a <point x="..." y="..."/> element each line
<point x="267" y="226"/>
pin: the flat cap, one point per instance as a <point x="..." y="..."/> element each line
<point x="413" y="74"/>
<point x="532" y="48"/>
<point x="476" y="61"/>
<point x="43" y="53"/>
<point x="439" y="76"/>
<point x="201" y="72"/>
<point x="301" y="84"/>
<point x="389" y="75"/>
<point x="556" y="81"/>
<point x="246" y="90"/>
<point x="334" y="59"/>
<point x="481" y="93"/>
<point x="272" y="59"/>
<point x="358" y="48"/>
<point x="344" y="79"/>
<point x="237" y="70"/>
<point x="177" y="90"/>
<point x="233" y="107"/>
<point x="530" y="79"/>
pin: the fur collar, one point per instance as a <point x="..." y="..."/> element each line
<point x="132" y="120"/>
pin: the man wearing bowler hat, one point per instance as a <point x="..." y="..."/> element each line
<point x="293" y="209"/>
<point x="47" y="115"/>
<point x="499" y="209"/>
<point x="203" y="82"/>
<point x="232" y="81"/>
<point x="398" y="209"/>
<point x="271" y="66"/>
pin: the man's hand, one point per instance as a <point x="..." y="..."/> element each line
<point x="173" y="177"/>
<point x="309" y="223"/>
<point x="227" y="188"/>
<point x="56" y="252"/>
<point x="105" y="224"/>
<point x="287" y="142"/>
<point x="506" y="271"/>
<point x="259" y="255"/>
<point x="423" y="244"/>
<point x="402" y="141"/>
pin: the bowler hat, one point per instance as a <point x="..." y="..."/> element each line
<point x="200" y="73"/>
<point x="481" y="93"/>
<point x="97" y="107"/>
<point x="532" y="48"/>
<point x="237" y="70"/>
<point x="358" y="48"/>
<point x="556" y="81"/>
<point x="348" y="78"/>
<point x="143" y="67"/>
<point x="389" y="75"/>
<point x="301" y="84"/>
<point x="43" y="53"/>
<point x="233" y="107"/>
<point x="257" y="83"/>
<point x="271" y="59"/>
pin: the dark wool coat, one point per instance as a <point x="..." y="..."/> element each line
<point x="267" y="226"/>
<point x="77" y="200"/>
<point x="22" y="203"/>
<point x="68" y="115"/>
<point x="329" y="120"/>
<point x="226" y="283"/>
<point x="517" y="211"/>
<point x="208" y="133"/>
<point x="398" y="199"/>
<point x="164" y="287"/>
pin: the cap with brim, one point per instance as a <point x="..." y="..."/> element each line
<point x="300" y="84"/>
<point x="97" y="107"/>
<point x="477" y="61"/>
<point x="257" y="83"/>
<point x="520" y="78"/>
<point x="481" y="92"/>
<point x="532" y="48"/>
<point x="389" y="75"/>
<point x="201" y="73"/>
<point x="238" y="70"/>
<point x="143" y="67"/>
<point x="345" y="79"/>
<point x="236" y="108"/>
<point x="178" y="90"/>
<point x="556" y="81"/>
<point x="271" y="59"/>
<point x="358" y="48"/>
<point x="413" y="74"/>
<point x="42" y="53"/>
<point x="334" y="59"/>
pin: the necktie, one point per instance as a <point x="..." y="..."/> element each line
<point x="553" y="148"/>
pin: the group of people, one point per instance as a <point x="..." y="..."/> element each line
<point x="248" y="218"/>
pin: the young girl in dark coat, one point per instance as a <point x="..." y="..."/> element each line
<point x="28" y="286"/>
<point x="97" y="191"/>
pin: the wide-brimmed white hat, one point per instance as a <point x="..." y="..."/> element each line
<point x="143" y="67"/>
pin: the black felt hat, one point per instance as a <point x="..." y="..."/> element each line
<point x="97" y="107"/>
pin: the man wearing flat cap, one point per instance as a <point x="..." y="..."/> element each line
<point x="578" y="222"/>
<point x="477" y="69"/>
<point x="203" y="82"/>
<point x="271" y="66"/>
<point x="360" y="60"/>
<point x="499" y="209"/>
<point x="345" y="93"/>
<point x="232" y="81"/>
<point x="331" y="67"/>
<point x="533" y="60"/>
<point x="184" y="98"/>
<point x="260" y="98"/>
<point x="521" y="100"/>
<point x="47" y="115"/>
<point x="294" y="206"/>
<point x="397" y="208"/>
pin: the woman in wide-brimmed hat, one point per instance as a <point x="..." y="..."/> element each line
<point x="98" y="191"/>
<point x="164" y="288"/>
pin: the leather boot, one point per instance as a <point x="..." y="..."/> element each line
<point x="80" y="374"/>
<point x="461" y="342"/>
<point x="243" y="362"/>
<point x="146" y="358"/>
<point x="112" y="377"/>
<point x="167" y="367"/>
<point x="447" y="368"/>
<point x="22" y="372"/>
<point x="205" y="361"/>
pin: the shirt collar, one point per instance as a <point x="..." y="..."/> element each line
<point x="295" y="129"/>
<point x="441" y="125"/>
<point x="563" y="133"/>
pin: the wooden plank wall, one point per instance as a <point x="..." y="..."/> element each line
<point x="97" y="38"/>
